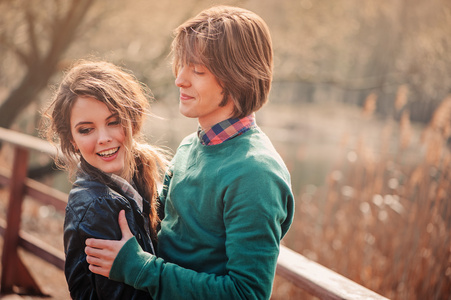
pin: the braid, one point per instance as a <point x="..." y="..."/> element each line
<point x="150" y="164"/>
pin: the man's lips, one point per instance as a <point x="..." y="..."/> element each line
<point x="185" y="97"/>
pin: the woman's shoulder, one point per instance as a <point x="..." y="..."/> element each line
<point x="93" y="206"/>
<point x="86" y="193"/>
<point x="85" y="187"/>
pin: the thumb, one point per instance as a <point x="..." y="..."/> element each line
<point x="126" y="233"/>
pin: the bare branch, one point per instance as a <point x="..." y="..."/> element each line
<point x="23" y="57"/>
<point x="31" y="25"/>
<point x="65" y="27"/>
<point x="42" y="66"/>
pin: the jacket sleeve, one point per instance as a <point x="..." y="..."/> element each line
<point x="96" y="218"/>
<point x="255" y="221"/>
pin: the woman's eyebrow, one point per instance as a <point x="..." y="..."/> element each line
<point x="82" y="123"/>
<point x="114" y="115"/>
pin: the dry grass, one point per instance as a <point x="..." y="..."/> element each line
<point x="384" y="217"/>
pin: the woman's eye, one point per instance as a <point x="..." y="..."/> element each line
<point x="84" y="130"/>
<point x="114" y="123"/>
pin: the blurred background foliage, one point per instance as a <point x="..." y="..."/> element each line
<point x="359" y="110"/>
<point x="326" y="51"/>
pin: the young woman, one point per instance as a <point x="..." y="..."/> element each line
<point x="96" y="118"/>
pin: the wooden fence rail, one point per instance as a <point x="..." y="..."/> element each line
<point x="304" y="273"/>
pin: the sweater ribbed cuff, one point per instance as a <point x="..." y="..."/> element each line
<point x="128" y="263"/>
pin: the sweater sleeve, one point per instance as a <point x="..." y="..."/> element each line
<point x="164" y="280"/>
<point x="255" y="220"/>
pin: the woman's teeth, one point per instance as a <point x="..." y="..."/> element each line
<point x="108" y="152"/>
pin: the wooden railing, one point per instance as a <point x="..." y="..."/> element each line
<point x="304" y="273"/>
<point x="14" y="271"/>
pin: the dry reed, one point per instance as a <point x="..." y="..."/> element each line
<point x="384" y="218"/>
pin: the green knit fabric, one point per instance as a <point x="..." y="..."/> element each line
<point x="226" y="210"/>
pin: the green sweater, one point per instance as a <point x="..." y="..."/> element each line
<point x="226" y="209"/>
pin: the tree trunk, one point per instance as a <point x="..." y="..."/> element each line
<point x="42" y="67"/>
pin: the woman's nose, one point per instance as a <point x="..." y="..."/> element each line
<point x="104" y="137"/>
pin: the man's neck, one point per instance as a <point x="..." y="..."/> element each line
<point x="222" y="114"/>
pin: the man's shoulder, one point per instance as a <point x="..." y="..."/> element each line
<point x="189" y="139"/>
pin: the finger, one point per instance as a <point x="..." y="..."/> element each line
<point x="99" y="270"/>
<point x="103" y="254"/>
<point x="92" y="260"/>
<point x="126" y="233"/>
<point x="95" y="243"/>
<point x="93" y="253"/>
<point x="99" y="243"/>
<point x="90" y="251"/>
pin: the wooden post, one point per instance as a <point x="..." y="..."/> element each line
<point x="14" y="272"/>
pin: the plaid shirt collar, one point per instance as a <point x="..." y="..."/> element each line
<point x="128" y="189"/>
<point x="225" y="130"/>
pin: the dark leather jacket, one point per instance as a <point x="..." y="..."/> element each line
<point x="92" y="211"/>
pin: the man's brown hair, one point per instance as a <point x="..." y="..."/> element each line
<point x="235" y="45"/>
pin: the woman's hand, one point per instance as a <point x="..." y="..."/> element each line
<point x="101" y="253"/>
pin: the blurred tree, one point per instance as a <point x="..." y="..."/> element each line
<point x="36" y="33"/>
<point x="343" y="50"/>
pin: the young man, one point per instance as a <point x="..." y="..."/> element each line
<point x="227" y="197"/>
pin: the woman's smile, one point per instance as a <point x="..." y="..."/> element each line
<point x="108" y="153"/>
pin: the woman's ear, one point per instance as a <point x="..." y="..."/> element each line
<point x="74" y="145"/>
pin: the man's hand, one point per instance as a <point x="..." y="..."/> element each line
<point x="101" y="253"/>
